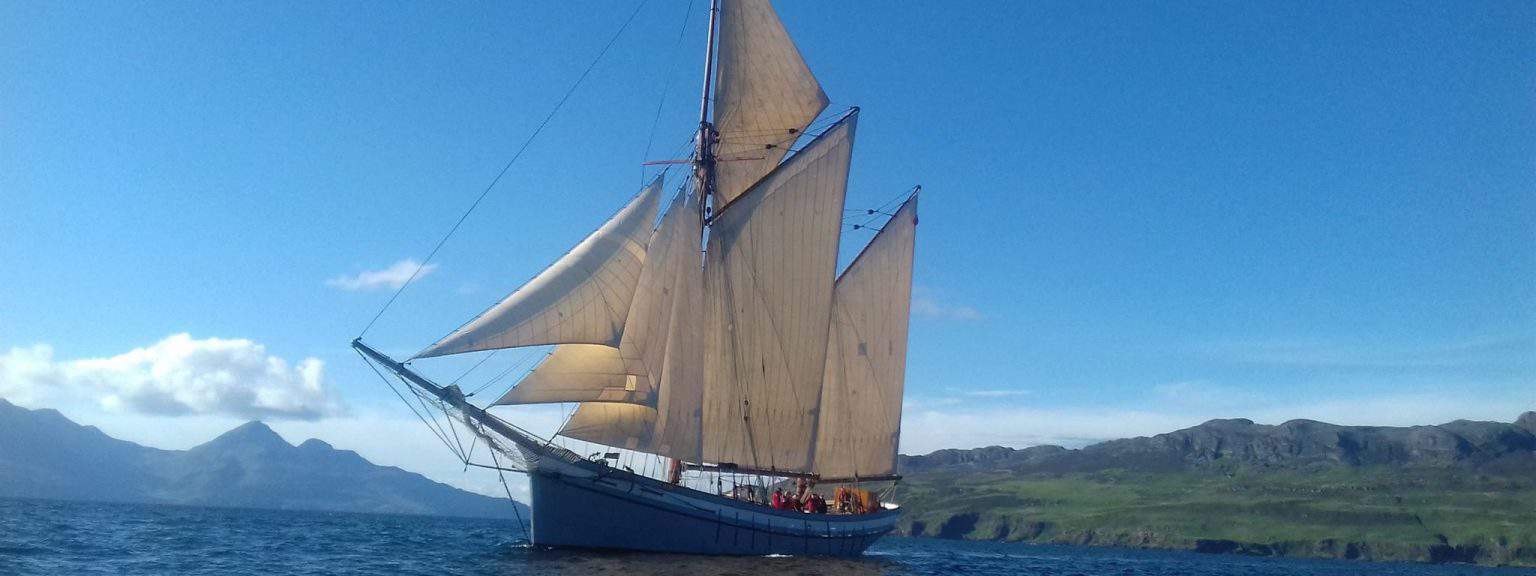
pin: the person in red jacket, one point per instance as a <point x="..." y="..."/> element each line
<point x="778" y="499"/>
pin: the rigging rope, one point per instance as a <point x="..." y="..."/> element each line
<point x="508" y="166"/>
<point x="406" y="402"/>
<point x="671" y="75"/>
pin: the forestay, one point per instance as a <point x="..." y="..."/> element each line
<point x="769" y="272"/>
<point x="581" y="299"/>
<point x="867" y="355"/>
<point x="765" y="97"/>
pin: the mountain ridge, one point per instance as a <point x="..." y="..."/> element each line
<point x="1300" y="443"/>
<point x="45" y="455"/>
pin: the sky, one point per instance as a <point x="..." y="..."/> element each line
<point x="1136" y="216"/>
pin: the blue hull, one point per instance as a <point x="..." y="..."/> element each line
<point x="620" y="510"/>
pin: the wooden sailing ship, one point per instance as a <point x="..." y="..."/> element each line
<point x="722" y="339"/>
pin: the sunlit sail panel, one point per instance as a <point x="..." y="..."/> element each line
<point x="679" y="420"/>
<point x="622" y="425"/>
<point x="673" y="250"/>
<point x="580" y="373"/>
<point x="867" y="355"/>
<point x="771" y="262"/>
<point x="581" y="299"/>
<point x="765" y="96"/>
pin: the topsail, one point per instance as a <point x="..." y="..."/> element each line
<point x="766" y="96"/>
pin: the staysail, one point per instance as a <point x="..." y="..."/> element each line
<point x="598" y="373"/>
<point x="867" y="355"/>
<point x="612" y="424"/>
<point x="768" y="277"/>
<point x="665" y="350"/>
<point x="672" y="252"/>
<point x="580" y="373"/>
<point x="765" y="98"/>
<point x="583" y="298"/>
<point x="679" y="430"/>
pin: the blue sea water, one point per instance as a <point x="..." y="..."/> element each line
<point x="48" y="537"/>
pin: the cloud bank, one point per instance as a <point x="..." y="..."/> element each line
<point x="177" y="376"/>
<point x="926" y="303"/>
<point x="395" y="276"/>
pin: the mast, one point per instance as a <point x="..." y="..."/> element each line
<point x="703" y="161"/>
<point x="704" y="154"/>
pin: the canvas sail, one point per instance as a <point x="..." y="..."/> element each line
<point x="867" y="355"/>
<point x="622" y="425"/>
<point x="679" y="427"/>
<point x="768" y="279"/>
<point x="581" y="299"/>
<point x="596" y="373"/>
<point x="672" y="251"/>
<point x="764" y="99"/>
<point x="580" y="373"/>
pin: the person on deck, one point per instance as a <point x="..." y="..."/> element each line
<point x="778" y="499"/>
<point x="816" y="504"/>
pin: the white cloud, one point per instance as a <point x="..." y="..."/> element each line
<point x="177" y="376"/>
<point x="1001" y="393"/>
<point x="925" y="302"/>
<point x="1367" y="355"/>
<point x="395" y="276"/>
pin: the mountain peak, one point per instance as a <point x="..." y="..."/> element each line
<point x="316" y="444"/>
<point x="1527" y="421"/>
<point x="251" y="435"/>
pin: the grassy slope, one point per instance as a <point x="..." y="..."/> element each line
<point x="1338" y="512"/>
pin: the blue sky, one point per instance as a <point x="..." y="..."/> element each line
<point x="1136" y="216"/>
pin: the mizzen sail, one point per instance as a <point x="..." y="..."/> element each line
<point x="583" y="298"/>
<point x="769" y="272"/>
<point x="867" y="355"/>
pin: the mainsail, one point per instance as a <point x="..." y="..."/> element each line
<point x="769" y="269"/>
<point x="765" y="98"/>
<point x="582" y="298"/>
<point x="867" y="355"/>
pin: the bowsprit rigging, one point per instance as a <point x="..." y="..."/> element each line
<point x="721" y="346"/>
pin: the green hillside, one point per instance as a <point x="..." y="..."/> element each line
<point x="1370" y="514"/>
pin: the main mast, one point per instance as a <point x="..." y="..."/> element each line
<point x="703" y="152"/>
<point x="703" y="161"/>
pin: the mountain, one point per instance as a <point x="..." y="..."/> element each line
<point x="45" y="455"/>
<point x="1485" y="446"/>
<point x="1462" y="491"/>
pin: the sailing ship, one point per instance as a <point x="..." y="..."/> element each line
<point x="721" y="340"/>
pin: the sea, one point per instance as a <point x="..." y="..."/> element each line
<point x="76" y="538"/>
